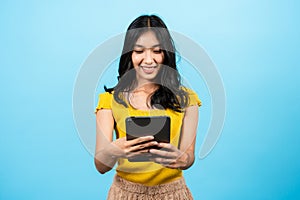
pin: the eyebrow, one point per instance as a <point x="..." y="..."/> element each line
<point x="138" y="45"/>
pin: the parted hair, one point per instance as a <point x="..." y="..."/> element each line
<point x="170" y="93"/>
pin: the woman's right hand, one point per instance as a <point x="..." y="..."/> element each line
<point x="130" y="148"/>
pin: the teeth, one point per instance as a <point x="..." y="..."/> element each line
<point x="148" y="67"/>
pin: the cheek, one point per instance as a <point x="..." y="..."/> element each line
<point x="159" y="58"/>
<point x="136" y="59"/>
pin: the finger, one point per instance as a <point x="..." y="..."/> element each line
<point x="167" y="146"/>
<point x="139" y="140"/>
<point x="143" y="146"/>
<point x="170" y="163"/>
<point x="172" y="166"/>
<point x="162" y="153"/>
<point x="163" y="161"/>
<point x="139" y="153"/>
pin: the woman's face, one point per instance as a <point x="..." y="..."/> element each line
<point x="147" y="57"/>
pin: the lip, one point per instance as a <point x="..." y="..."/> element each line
<point x="148" y="69"/>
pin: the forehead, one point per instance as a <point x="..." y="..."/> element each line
<point x="147" y="39"/>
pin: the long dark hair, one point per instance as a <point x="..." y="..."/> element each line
<point x="170" y="93"/>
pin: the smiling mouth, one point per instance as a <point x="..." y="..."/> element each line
<point x="148" y="69"/>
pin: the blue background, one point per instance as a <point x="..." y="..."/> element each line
<point x="254" y="45"/>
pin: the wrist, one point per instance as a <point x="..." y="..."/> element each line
<point x="186" y="159"/>
<point x="106" y="155"/>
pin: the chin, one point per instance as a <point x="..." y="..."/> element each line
<point x="149" y="77"/>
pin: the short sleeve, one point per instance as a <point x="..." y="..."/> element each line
<point x="193" y="98"/>
<point x="104" y="101"/>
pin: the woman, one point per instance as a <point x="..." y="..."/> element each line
<point x="149" y="85"/>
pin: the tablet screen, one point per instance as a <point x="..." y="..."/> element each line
<point x="158" y="126"/>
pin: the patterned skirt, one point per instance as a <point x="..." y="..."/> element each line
<point x="122" y="189"/>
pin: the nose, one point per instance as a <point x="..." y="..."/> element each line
<point x="148" y="59"/>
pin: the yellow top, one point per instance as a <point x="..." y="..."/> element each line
<point x="147" y="173"/>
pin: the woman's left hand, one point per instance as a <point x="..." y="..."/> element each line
<point x="169" y="156"/>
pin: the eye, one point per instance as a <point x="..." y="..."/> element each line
<point x="158" y="51"/>
<point x="138" y="51"/>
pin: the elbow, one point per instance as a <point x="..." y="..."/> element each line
<point x="189" y="161"/>
<point x="101" y="168"/>
<point x="101" y="171"/>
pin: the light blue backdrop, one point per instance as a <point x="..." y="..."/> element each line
<point x="254" y="45"/>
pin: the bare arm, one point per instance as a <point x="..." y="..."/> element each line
<point x="103" y="159"/>
<point x="188" y="136"/>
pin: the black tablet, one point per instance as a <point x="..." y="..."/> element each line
<point x="158" y="126"/>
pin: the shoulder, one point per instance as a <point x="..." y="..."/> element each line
<point x="106" y="95"/>
<point x="193" y="97"/>
<point x="104" y="101"/>
<point x="188" y="90"/>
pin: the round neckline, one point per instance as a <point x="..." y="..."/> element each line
<point x="142" y="110"/>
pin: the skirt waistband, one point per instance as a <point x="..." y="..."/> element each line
<point x="151" y="190"/>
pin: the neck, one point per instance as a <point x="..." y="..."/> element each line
<point x="146" y="87"/>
